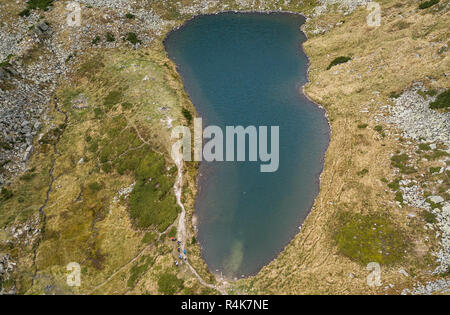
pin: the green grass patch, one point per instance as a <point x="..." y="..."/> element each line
<point x="132" y="38"/>
<point x="130" y="16"/>
<point x="110" y="37"/>
<point x="169" y="284"/>
<point x="337" y="61"/>
<point x="112" y="99"/>
<point x="399" y="196"/>
<point x="152" y="201"/>
<point x="424" y="147"/>
<point x="91" y="67"/>
<point x="187" y="114"/>
<point x="95" y="187"/>
<point x="5" y="145"/>
<point x="437" y="154"/>
<point x="399" y="161"/>
<point x="429" y="216"/>
<point x="5" y="194"/>
<point x="442" y="101"/>
<point x="394" y="185"/>
<point x="394" y="94"/>
<point x="25" y="13"/>
<point x="429" y="93"/>
<point x="96" y="40"/>
<point x="39" y="4"/>
<point x="28" y="176"/>
<point x="435" y="169"/>
<point x="362" y="126"/>
<point x="127" y="106"/>
<point x="434" y="205"/>
<point x="370" y="238"/>
<point x="427" y="4"/>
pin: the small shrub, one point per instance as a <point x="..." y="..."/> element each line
<point x="433" y="205"/>
<point x="5" y="145"/>
<point x="435" y="169"/>
<point x="193" y="240"/>
<point x="96" y="40"/>
<point x="338" y="60"/>
<point x="132" y="38"/>
<point x="129" y="16"/>
<point x="429" y="217"/>
<point x="362" y="126"/>
<point x="126" y="106"/>
<point x="394" y="94"/>
<point x="94" y="187"/>
<point x="399" y="161"/>
<point x="431" y="92"/>
<point x="5" y="194"/>
<point x="187" y="114"/>
<point x="39" y="4"/>
<point x="442" y="100"/>
<point x="110" y="37"/>
<point x="107" y="168"/>
<point x="4" y="64"/>
<point x="424" y="147"/>
<point x="437" y="154"/>
<point x="427" y="4"/>
<point x="363" y="172"/>
<point x="446" y="273"/>
<point x="25" y="13"/>
<point x="394" y="185"/>
<point x="399" y="196"/>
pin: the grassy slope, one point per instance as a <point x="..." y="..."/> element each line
<point x="103" y="148"/>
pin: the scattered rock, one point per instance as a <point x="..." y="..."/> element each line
<point x="436" y="199"/>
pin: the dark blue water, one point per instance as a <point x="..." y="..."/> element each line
<point x="248" y="69"/>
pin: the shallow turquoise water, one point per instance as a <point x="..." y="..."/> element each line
<point x="248" y="69"/>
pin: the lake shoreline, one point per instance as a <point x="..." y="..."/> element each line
<point x="302" y="92"/>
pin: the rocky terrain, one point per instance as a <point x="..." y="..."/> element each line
<point x="412" y="115"/>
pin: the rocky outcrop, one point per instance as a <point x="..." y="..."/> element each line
<point x="416" y="122"/>
<point x="412" y="114"/>
<point x="7" y="266"/>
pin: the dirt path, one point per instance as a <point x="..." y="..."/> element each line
<point x="181" y="229"/>
<point x="118" y="271"/>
